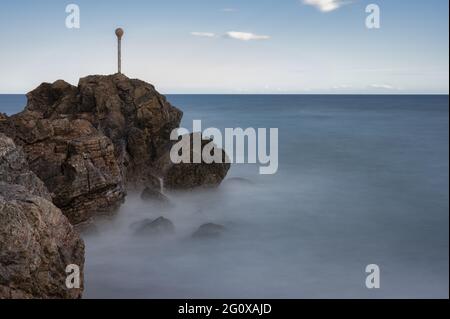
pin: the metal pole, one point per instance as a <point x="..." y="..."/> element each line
<point x="119" y="34"/>
<point x="119" y="55"/>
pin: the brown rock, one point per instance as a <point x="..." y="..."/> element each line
<point x="134" y="116"/>
<point x="37" y="241"/>
<point x="14" y="169"/>
<point x="75" y="161"/>
<point x="192" y="175"/>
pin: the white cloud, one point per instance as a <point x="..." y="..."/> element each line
<point x="325" y="5"/>
<point x="382" y="86"/>
<point x="342" y="87"/>
<point x="245" y="36"/>
<point x="203" y="34"/>
<point x="228" y="10"/>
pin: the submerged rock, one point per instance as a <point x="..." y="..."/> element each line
<point x="159" y="226"/>
<point x="209" y="230"/>
<point x="37" y="242"/>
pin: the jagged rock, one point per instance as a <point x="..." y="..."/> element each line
<point x="37" y="241"/>
<point x="134" y="116"/>
<point x="14" y="169"/>
<point x="75" y="161"/>
<point x="159" y="226"/>
<point x="209" y="230"/>
<point x="192" y="175"/>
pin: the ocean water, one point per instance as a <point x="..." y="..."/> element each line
<point x="361" y="180"/>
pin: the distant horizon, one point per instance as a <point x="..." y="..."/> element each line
<point x="305" y="92"/>
<point x="293" y="94"/>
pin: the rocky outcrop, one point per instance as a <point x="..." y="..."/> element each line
<point x="37" y="242"/>
<point x="89" y="143"/>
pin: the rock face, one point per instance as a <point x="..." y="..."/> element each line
<point x="89" y="143"/>
<point x="37" y="242"/>
<point x="14" y="169"/>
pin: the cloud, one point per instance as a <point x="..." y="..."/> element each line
<point x="203" y="34"/>
<point x="228" y="10"/>
<point x="325" y="5"/>
<point x="382" y="86"/>
<point x="342" y="87"/>
<point x="245" y="36"/>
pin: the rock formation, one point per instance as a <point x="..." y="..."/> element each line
<point x="37" y="242"/>
<point x="89" y="143"/>
<point x="75" y="150"/>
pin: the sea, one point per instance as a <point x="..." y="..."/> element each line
<point x="362" y="180"/>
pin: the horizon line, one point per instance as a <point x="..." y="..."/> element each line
<point x="259" y="93"/>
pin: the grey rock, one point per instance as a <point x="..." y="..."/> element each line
<point x="157" y="227"/>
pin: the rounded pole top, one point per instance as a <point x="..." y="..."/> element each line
<point x="119" y="33"/>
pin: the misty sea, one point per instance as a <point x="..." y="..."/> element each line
<point x="361" y="180"/>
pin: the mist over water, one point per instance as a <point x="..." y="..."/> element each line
<point x="361" y="180"/>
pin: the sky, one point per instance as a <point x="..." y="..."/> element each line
<point x="231" y="46"/>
